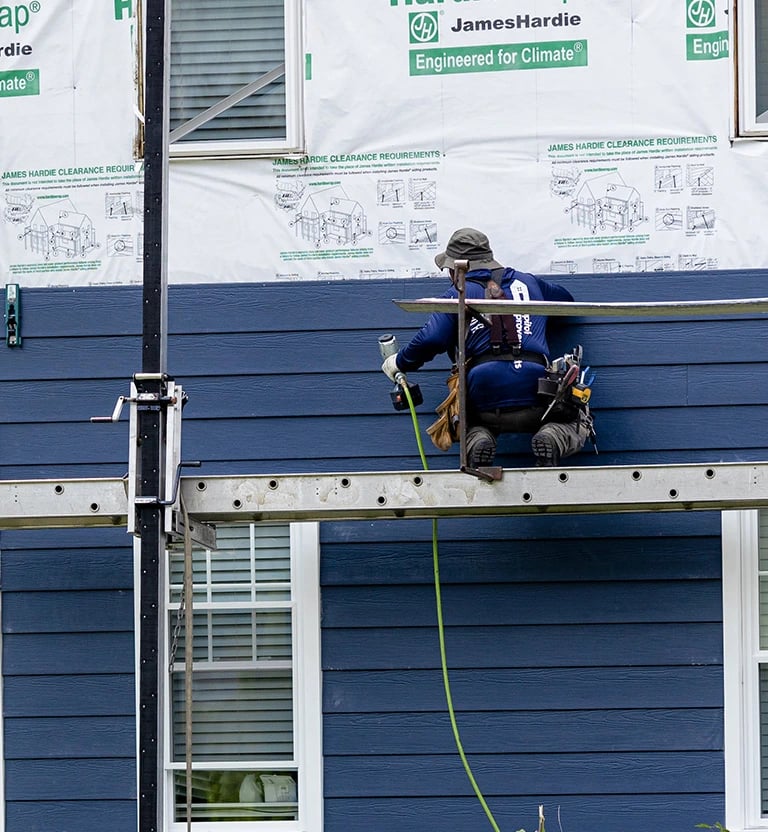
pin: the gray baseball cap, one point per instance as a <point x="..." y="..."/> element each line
<point x="468" y="244"/>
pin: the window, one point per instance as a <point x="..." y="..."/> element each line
<point x="752" y="71"/>
<point x="745" y="642"/>
<point x="256" y="712"/>
<point x="235" y="77"/>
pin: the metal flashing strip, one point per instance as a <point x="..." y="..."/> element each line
<point x="400" y="494"/>
<point x="600" y="310"/>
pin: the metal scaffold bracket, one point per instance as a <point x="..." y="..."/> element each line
<point x="169" y="402"/>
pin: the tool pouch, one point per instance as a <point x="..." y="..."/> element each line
<point x="444" y="431"/>
<point x="561" y="391"/>
<point x="560" y="411"/>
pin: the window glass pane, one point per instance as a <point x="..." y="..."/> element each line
<point x="199" y="575"/>
<point x="236" y="715"/>
<point x="217" y="49"/>
<point x="762" y="550"/>
<point x="248" y="566"/>
<point x="238" y="795"/>
<point x="764" y="739"/>
<point x="243" y="636"/>
<point x="763" y="603"/>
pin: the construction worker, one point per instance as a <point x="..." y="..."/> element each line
<point x="506" y="357"/>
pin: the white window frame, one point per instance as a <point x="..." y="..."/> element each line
<point x="294" y="104"/>
<point x="750" y="124"/>
<point x="305" y="576"/>
<point x="741" y="658"/>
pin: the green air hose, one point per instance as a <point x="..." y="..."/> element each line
<point x="441" y="630"/>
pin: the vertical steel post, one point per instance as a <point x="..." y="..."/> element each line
<point x="151" y="417"/>
<point x="459" y="281"/>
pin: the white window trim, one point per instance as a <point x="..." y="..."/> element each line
<point x="305" y="565"/>
<point x="2" y="730"/>
<point x="750" y="125"/>
<point x="294" y="110"/>
<point x="305" y="572"/>
<point x="740" y="671"/>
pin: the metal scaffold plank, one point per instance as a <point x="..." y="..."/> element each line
<point x="63" y="503"/>
<point x="454" y="494"/>
<point x="400" y="494"/>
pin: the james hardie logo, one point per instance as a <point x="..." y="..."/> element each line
<point x="423" y="27"/>
<point x="704" y="45"/>
<point x="700" y="14"/>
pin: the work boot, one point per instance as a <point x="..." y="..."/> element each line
<point x="481" y="447"/>
<point x="545" y="448"/>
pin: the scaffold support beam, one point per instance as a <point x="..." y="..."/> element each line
<point x="399" y="494"/>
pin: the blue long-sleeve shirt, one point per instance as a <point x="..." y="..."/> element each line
<point x="491" y="384"/>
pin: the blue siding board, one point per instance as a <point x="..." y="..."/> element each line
<point x="81" y="311"/>
<point x="630" y="812"/>
<point x="64" y="443"/>
<point x="623" y="345"/>
<point x="72" y="815"/>
<point x="24" y="401"/>
<point x="26" y="541"/>
<point x="101" y="694"/>
<point x="369" y="305"/>
<point x="88" y="611"/>
<point x="490" y="646"/>
<point x="70" y="737"/>
<point x="536" y="732"/>
<point x="46" y="654"/>
<point x="674" y="431"/>
<point x="59" y="359"/>
<point x="531" y="604"/>
<point x="246" y="395"/>
<point x="532" y="529"/>
<point x="585" y="651"/>
<point x="408" y="562"/>
<point x="366" y="305"/>
<point x="103" y="778"/>
<point x="87" y="568"/>
<point x="66" y="470"/>
<point x="417" y="775"/>
<point x="539" y="688"/>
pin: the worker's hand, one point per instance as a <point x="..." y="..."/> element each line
<point x="390" y="368"/>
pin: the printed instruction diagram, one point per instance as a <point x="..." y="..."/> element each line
<point x="602" y="203"/>
<point x="58" y="228"/>
<point x="52" y="228"/>
<point x="606" y="203"/>
<point x="330" y="216"/>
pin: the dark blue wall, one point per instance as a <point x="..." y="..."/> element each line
<point x="585" y="651"/>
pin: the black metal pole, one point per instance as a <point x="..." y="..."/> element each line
<point x="459" y="279"/>
<point x="155" y="295"/>
<point x="151" y="415"/>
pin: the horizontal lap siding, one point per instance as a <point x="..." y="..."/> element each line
<point x="585" y="651"/>
<point x="585" y="664"/>
<point x="68" y="694"/>
<point x="456" y="813"/>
